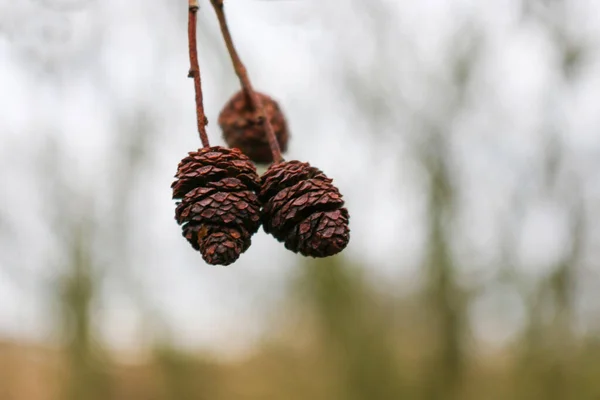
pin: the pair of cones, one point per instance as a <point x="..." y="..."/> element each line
<point x="221" y="200"/>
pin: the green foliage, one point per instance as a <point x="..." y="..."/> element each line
<point x="354" y="329"/>
<point x="88" y="377"/>
<point x="184" y="376"/>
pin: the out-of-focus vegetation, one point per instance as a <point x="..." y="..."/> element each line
<point x="338" y="333"/>
<point x="346" y="341"/>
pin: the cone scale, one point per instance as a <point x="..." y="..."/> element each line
<point x="303" y="209"/>
<point x="242" y="128"/>
<point x="217" y="205"/>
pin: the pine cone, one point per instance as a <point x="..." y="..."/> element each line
<point x="217" y="206"/>
<point x="242" y="130"/>
<point x="303" y="209"/>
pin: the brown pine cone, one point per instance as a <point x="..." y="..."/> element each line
<point x="217" y="206"/>
<point x="240" y="127"/>
<point x="303" y="209"/>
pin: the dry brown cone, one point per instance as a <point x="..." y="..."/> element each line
<point x="217" y="206"/>
<point x="303" y="209"/>
<point x="242" y="128"/>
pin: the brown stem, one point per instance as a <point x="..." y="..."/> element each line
<point x="195" y="72"/>
<point x="240" y="70"/>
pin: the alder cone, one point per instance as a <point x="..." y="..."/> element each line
<point x="303" y="209"/>
<point x="241" y="129"/>
<point x="217" y="205"/>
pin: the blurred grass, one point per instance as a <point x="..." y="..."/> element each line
<point x="349" y="341"/>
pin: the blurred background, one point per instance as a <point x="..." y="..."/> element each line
<point x="464" y="135"/>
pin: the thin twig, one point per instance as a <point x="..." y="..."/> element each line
<point x="195" y="72"/>
<point x="239" y="67"/>
<point x="240" y="70"/>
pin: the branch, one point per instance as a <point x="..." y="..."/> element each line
<point x="253" y="99"/>
<point x="195" y="72"/>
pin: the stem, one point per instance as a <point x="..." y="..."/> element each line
<point x="238" y="66"/>
<point x="240" y="70"/>
<point x="195" y="72"/>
